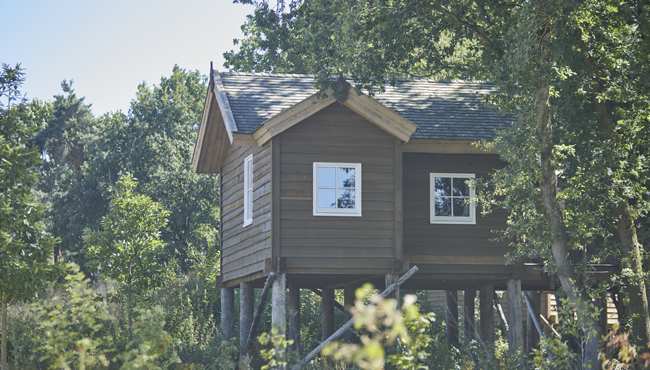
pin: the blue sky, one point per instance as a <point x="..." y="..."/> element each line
<point x="109" y="47"/>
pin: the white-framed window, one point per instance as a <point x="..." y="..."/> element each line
<point x="337" y="189"/>
<point x="248" y="190"/>
<point x="452" y="198"/>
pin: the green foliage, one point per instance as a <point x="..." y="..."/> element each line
<point x="128" y="248"/>
<point x="72" y="328"/>
<point x="276" y="357"/>
<point x="25" y="248"/>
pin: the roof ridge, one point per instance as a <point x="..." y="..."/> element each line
<point x="397" y="79"/>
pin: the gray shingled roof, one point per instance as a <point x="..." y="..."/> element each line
<point x="442" y="109"/>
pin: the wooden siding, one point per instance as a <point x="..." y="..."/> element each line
<point x="245" y="248"/>
<point x="439" y="248"/>
<point x="337" y="244"/>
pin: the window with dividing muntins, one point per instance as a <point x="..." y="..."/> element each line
<point x="248" y="190"/>
<point x="337" y="189"/>
<point x="452" y="198"/>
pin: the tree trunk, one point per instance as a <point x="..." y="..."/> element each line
<point x="5" y="305"/>
<point x="636" y="288"/>
<point x="574" y="289"/>
<point x="626" y="228"/>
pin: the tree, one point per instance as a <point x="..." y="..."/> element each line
<point x="129" y="248"/>
<point x="25" y="248"/>
<point x="566" y="69"/>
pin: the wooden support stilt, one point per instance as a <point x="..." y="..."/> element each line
<point x="486" y="313"/>
<point x="246" y="305"/>
<point x="260" y="307"/>
<point x="328" y="313"/>
<point x="348" y="303"/>
<point x="468" y="317"/>
<point x="279" y="311"/>
<point x="336" y="303"/>
<point x="533" y="327"/>
<point x="294" y="320"/>
<point x="390" y="279"/>
<point x="349" y="324"/>
<point x="502" y="315"/>
<point x="227" y="313"/>
<point x="451" y="315"/>
<point x="515" y="318"/>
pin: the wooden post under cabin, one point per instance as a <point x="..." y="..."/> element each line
<point x="328" y="312"/>
<point x="515" y="318"/>
<point x="348" y="303"/>
<point x="390" y="279"/>
<point x="468" y="317"/>
<point x="279" y="308"/>
<point x="227" y="313"/>
<point x="532" y="336"/>
<point x="451" y="315"/>
<point x="294" y="320"/>
<point x="246" y="308"/>
<point x="486" y="313"/>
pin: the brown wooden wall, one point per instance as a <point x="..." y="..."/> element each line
<point x="325" y="244"/>
<point x="449" y="249"/>
<point x="245" y="248"/>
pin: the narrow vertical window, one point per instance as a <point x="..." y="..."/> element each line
<point x="248" y="190"/>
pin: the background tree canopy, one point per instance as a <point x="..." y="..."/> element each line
<point x="84" y="155"/>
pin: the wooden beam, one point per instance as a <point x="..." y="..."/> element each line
<point x="279" y="311"/>
<point x="502" y="315"/>
<point x="451" y="317"/>
<point x="399" y="201"/>
<point x="328" y="313"/>
<point x="246" y="306"/>
<point x="275" y="199"/>
<point x="349" y="324"/>
<point x="381" y="116"/>
<point x="486" y="313"/>
<point x="243" y="140"/>
<point x="227" y="313"/>
<point x="224" y="105"/>
<point x="443" y="147"/>
<point x="348" y="303"/>
<point x="390" y="279"/>
<point x="515" y="318"/>
<point x="294" y="320"/>
<point x="468" y="316"/>
<point x="260" y="307"/>
<point x="533" y="328"/>
<point x="457" y="260"/>
<point x="198" y="144"/>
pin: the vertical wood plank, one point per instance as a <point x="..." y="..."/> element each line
<point x="399" y="215"/>
<point x="279" y="310"/>
<point x="294" y="321"/>
<point x="515" y="318"/>
<point x="348" y="303"/>
<point x="246" y="303"/>
<point x="328" y="313"/>
<point x="468" y="317"/>
<point x="227" y="313"/>
<point x="451" y="316"/>
<point x="486" y="312"/>
<point x="275" y="199"/>
<point x="390" y="279"/>
<point x="532" y="336"/>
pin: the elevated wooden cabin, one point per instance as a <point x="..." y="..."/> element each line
<point x="333" y="193"/>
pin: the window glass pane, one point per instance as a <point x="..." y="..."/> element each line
<point x="461" y="189"/>
<point x="461" y="207"/>
<point x="326" y="198"/>
<point x="443" y="206"/>
<point x="345" y="198"/>
<point x="327" y="177"/>
<point x="345" y="177"/>
<point x="443" y="186"/>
